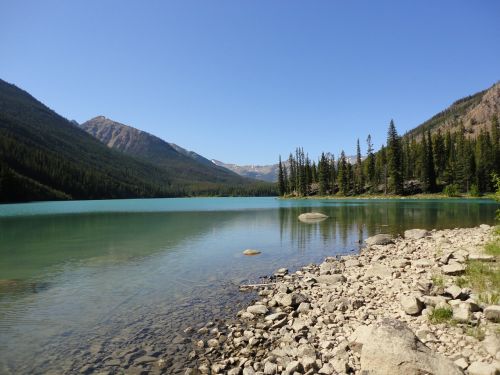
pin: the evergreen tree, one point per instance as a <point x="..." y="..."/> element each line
<point x="358" y="174"/>
<point x="281" y="179"/>
<point x="394" y="160"/>
<point x="370" y="162"/>
<point x="343" y="174"/>
<point x="323" y="172"/>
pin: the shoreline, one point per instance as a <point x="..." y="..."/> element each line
<point x="436" y="196"/>
<point x="322" y="318"/>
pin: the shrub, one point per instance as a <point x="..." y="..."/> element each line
<point x="474" y="191"/>
<point x="440" y="315"/>
<point x="451" y="190"/>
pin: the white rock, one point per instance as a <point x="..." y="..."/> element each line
<point x="453" y="269"/>
<point x="481" y="368"/>
<point x="491" y="344"/>
<point x="454" y="291"/>
<point x="251" y="252"/>
<point x="378" y="270"/>
<point x="461" y="312"/>
<point x="379" y="239"/>
<point x="416" y="234"/>
<point x="312" y="217"/>
<point x="492" y="313"/>
<point x="411" y="305"/>
<point x="257" y="309"/>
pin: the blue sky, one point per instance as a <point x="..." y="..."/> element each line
<point x="245" y="81"/>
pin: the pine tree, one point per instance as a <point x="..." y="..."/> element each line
<point x="370" y="162"/>
<point x="342" y="177"/>
<point x="281" y="179"/>
<point x="394" y="160"/>
<point x="323" y="169"/>
<point x="358" y="174"/>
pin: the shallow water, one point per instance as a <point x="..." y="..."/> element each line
<point x="81" y="282"/>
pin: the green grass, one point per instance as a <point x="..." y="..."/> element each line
<point x="477" y="332"/>
<point x="438" y="280"/>
<point x="440" y="315"/>
<point x="493" y="248"/>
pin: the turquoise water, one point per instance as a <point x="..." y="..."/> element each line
<point x="125" y="274"/>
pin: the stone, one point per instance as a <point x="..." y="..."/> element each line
<point x="454" y="291"/>
<point x="416" y="234"/>
<point x="359" y="337"/>
<point x="304" y="307"/>
<point x="275" y="316"/>
<point x="379" y="239"/>
<point x="481" y="368"/>
<point x="309" y="363"/>
<point x="248" y="371"/>
<point x="492" y="313"/>
<point x="352" y="263"/>
<point x="145" y="359"/>
<point x="411" y="305"/>
<point x="312" y="217"/>
<point x="328" y="268"/>
<point x="213" y="343"/>
<point x="251" y="252"/>
<point x="298" y="325"/>
<point x="434" y="300"/>
<point x="290" y="299"/>
<point x="462" y="363"/>
<point x="292" y="367"/>
<point x="378" y="270"/>
<point x="331" y="279"/>
<point x="392" y="348"/>
<point x="453" y="269"/>
<point x="482" y="257"/>
<point x="339" y="365"/>
<point x="423" y="262"/>
<point x="491" y="344"/>
<point x="462" y="312"/>
<point x="257" y="309"/>
<point x="270" y="368"/>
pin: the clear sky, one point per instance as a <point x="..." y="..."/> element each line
<point x="245" y="81"/>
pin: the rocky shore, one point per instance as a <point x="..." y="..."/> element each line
<point x="373" y="313"/>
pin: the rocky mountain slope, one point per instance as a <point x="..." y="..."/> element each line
<point x="474" y="112"/>
<point x="185" y="165"/>
<point x="259" y="172"/>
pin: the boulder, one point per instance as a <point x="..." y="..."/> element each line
<point x="454" y="291"/>
<point x="462" y="312"/>
<point x="331" y="279"/>
<point x="379" y="239"/>
<point x="411" y="305"/>
<point x="359" y="337"/>
<point x="312" y="217"/>
<point x="378" y="270"/>
<point x="257" y="309"/>
<point x="491" y="344"/>
<point x="416" y="234"/>
<point x="392" y="348"/>
<point x="492" y="313"/>
<point x="251" y="252"/>
<point x="453" y="269"/>
<point x="481" y="368"/>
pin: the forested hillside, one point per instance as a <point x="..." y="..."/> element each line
<point x="456" y="151"/>
<point x="43" y="156"/>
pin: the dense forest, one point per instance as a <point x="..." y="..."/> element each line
<point x="43" y="156"/>
<point x="423" y="162"/>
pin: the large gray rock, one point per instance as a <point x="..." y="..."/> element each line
<point x="492" y="313"/>
<point x="257" y="309"/>
<point x="312" y="217"/>
<point x="379" y="239"/>
<point x="453" y="269"/>
<point x="481" y="368"/>
<point x="392" y="348"/>
<point x="360" y="337"/>
<point x="411" y="305"/>
<point x="379" y="270"/>
<point x="251" y="252"/>
<point x="416" y="234"/>
<point x="331" y="279"/>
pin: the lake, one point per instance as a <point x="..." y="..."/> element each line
<point x="84" y="282"/>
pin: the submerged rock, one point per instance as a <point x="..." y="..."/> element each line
<point x="312" y="217"/>
<point x="251" y="252"/>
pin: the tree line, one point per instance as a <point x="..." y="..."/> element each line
<point x="413" y="163"/>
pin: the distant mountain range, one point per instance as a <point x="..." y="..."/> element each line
<point x="44" y="156"/>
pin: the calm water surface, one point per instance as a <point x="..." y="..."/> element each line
<point x="82" y="282"/>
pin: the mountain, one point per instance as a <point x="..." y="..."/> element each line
<point x="259" y="172"/>
<point x="474" y="112"/>
<point x="44" y="156"/>
<point x="267" y="173"/>
<point x="183" y="165"/>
